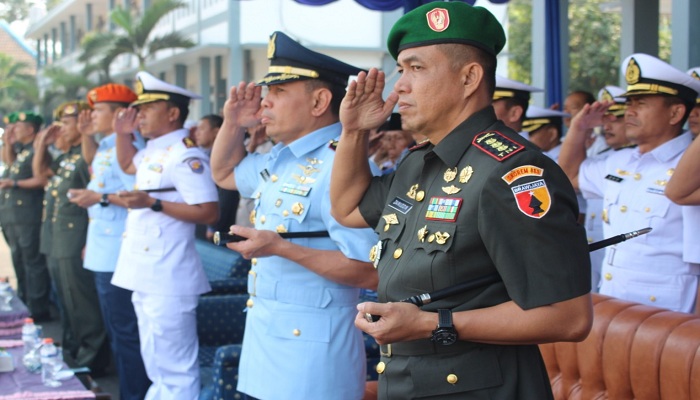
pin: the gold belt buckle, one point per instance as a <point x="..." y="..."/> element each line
<point x="388" y="350"/>
<point x="255" y="277"/>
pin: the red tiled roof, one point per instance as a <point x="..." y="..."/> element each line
<point x="10" y="45"/>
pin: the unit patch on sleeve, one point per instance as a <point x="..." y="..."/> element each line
<point x="195" y="165"/>
<point x="496" y="145"/>
<point x="533" y="198"/>
<point x="520" y="172"/>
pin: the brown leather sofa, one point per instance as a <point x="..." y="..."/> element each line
<point x="633" y="352"/>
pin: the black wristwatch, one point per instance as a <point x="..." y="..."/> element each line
<point x="104" y="200"/>
<point x="157" y="206"/>
<point x="445" y="334"/>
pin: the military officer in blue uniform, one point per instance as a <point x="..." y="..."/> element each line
<point x="22" y="194"/>
<point x="107" y="212"/>
<point x="88" y="346"/>
<point x="173" y="192"/>
<point x="662" y="267"/>
<point x="299" y="340"/>
<point x="475" y="200"/>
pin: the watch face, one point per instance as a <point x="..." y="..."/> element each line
<point x="444" y="337"/>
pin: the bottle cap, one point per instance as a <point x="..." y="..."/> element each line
<point x="47" y="340"/>
<point x="28" y="321"/>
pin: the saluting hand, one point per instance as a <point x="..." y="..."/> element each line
<point x="47" y="136"/>
<point x="363" y="107"/>
<point x="85" y="123"/>
<point x="591" y="115"/>
<point x="125" y="121"/>
<point x="243" y="104"/>
<point x="9" y="135"/>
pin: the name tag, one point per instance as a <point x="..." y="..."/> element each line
<point x="401" y="205"/>
<point x="613" y="178"/>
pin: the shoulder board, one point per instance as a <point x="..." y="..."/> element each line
<point x="420" y="144"/>
<point x="333" y="144"/>
<point x="189" y="143"/>
<point x="496" y="145"/>
<point x="629" y="146"/>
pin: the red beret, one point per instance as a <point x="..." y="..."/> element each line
<point x="111" y="93"/>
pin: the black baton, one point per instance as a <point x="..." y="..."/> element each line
<point x="426" y="298"/>
<point x="221" y="238"/>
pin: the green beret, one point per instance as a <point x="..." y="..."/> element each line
<point x="447" y="22"/>
<point x="10" y="118"/>
<point x="30" y="117"/>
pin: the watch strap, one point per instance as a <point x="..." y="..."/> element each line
<point x="444" y="318"/>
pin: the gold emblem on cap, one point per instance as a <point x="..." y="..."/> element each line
<point x="297" y="208"/>
<point x="22" y="116"/>
<point x="452" y="189"/>
<point x="438" y="19"/>
<point x="633" y="72"/>
<point x="69" y="110"/>
<point x="606" y="96"/>
<point x="271" y="47"/>
<point x="450" y="174"/>
<point x="391" y="219"/>
<point x="465" y="174"/>
<point x="93" y="95"/>
<point x="695" y="75"/>
<point x="138" y="87"/>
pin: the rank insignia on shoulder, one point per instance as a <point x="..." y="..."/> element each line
<point x="420" y="145"/>
<point x="333" y="145"/>
<point x="496" y="145"/>
<point x="195" y="165"/>
<point x="521" y="172"/>
<point x="189" y="143"/>
<point x="533" y="198"/>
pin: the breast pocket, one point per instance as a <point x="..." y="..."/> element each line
<point x="151" y="177"/>
<point x="431" y="262"/>
<point x="651" y="210"/>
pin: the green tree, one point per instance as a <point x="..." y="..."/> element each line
<point x="14" y="10"/>
<point x="135" y="38"/>
<point x="18" y="89"/>
<point x="594" y="43"/>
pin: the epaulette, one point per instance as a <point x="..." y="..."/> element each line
<point x="420" y="144"/>
<point x="629" y="146"/>
<point x="333" y="145"/>
<point x="496" y="145"/>
<point x="189" y="143"/>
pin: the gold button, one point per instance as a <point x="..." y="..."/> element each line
<point x="262" y="219"/>
<point x="652" y="298"/>
<point x="420" y="195"/>
<point x="281" y="229"/>
<point x="623" y="208"/>
<point x="249" y="303"/>
<point x="637" y="177"/>
<point x="70" y="225"/>
<point x="647" y="209"/>
<point x="381" y="367"/>
<point x="452" y="379"/>
<point x="285" y="213"/>
<point x="608" y="276"/>
<point x="278" y="202"/>
<point x="145" y="248"/>
<point x="7" y="195"/>
<point x="431" y="238"/>
<point x="398" y="252"/>
<point x="101" y="185"/>
<point x="19" y="202"/>
<point x="297" y="208"/>
<point x="254" y="261"/>
<point x="296" y="332"/>
<point x="257" y="195"/>
<point x="274" y="178"/>
<point x="54" y="193"/>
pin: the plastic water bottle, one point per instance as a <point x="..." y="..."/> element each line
<point x="29" y="335"/>
<point x="49" y="358"/>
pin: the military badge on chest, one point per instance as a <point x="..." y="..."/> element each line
<point x="532" y="198"/>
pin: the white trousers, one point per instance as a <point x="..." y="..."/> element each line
<point x="169" y="346"/>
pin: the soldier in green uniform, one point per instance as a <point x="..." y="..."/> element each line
<point x="474" y="200"/>
<point x="85" y="339"/>
<point x="22" y="193"/>
<point x="8" y="120"/>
